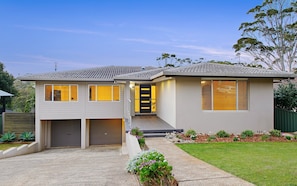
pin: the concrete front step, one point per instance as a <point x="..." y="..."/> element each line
<point x="154" y="135"/>
<point x="159" y="132"/>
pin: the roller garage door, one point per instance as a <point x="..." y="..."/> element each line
<point x="105" y="131"/>
<point x="65" y="133"/>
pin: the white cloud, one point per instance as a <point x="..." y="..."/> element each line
<point x="52" y="29"/>
<point x="207" y="50"/>
<point x="145" y="41"/>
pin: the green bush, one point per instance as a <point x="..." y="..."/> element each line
<point x="191" y="132"/>
<point x="27" y="136"/>
<point x="295" y="137"/>
<point x="136" y="132"/>
<point x="222" y="134"/>
<point x="288" y="137"/>
<point x="243" y="136"/>
<point x="8" y="137"/>
<point x="152" y="168"/>
<point x="210" y="138"/>
<point x="141" y="141"/>
<point x="248" y="133"/>
<point x="285" y="96"/>
<point x="193" y="137"/>
<point x="235" y="138"/>
<point x="265" y="137"/>
<point x="276" y="133"/>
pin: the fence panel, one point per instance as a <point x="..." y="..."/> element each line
<point x="284" y="120"/>
<point x="19" y="122"/>
<point x="1" y="128"/>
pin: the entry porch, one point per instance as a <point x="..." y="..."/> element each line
<point x="152" y="126"/>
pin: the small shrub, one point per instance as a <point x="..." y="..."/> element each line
<point x="190" y="132"/>
<point x="235" y="138"/>
<point x="295" y="137"/>
<point x="141" y="141"/>
<point x="288" y="137"/>
<point x="222" y="134"/>
<point x="248" y="133"/>
<point x="152" y="168"/>
<point x="193" y="137"/>
<point x="243" y="136"/>
<point x="132" y="164"/>
<point x="265" y="137"/>
<point x="136" y="132"/>
<point x="276" y="133"/>
<point x="27" y="136"/>
<point x="8" y="137"/>
<point x="210" y="138"/>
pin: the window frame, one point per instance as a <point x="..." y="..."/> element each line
<point x="212" y="94"/>
<point x="96" y="93"/>
<point x="69" y="93"/>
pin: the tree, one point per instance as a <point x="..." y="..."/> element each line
<point x="285" y="96"/>
<point x="6" y="84"/>
<point x="170" y="60"/>
<point x="271" y="38"/>
<point x="24" y="101"/>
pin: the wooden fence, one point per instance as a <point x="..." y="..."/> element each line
<point x="18" y="122"/>
<point x="285" y="120"/>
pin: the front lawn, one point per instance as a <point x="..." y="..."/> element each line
<point x="5" y="146"/>
<point x="262" y="163"/>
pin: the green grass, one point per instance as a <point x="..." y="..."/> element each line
<point x="259" y="163"/>
<point x="6" y="146"/>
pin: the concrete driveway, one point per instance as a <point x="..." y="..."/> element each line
<point x="68" y="166"/>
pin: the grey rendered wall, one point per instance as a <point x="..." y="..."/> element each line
<point x="189" y="114"/>
<point x="166" y="104"/>
<point x="83" y="108"/>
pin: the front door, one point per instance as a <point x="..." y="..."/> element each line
<point x="145" y="99"/>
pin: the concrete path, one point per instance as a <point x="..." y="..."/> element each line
<point x="191" y="171"/>
<point x="69" y="166"/>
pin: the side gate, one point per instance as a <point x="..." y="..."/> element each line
<point x="285" y="120"/>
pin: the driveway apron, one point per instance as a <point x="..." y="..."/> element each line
<point x="68" y="166"/>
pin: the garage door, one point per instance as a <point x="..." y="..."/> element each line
<point x="65" y="133"/>
<point x="105" y="131"/>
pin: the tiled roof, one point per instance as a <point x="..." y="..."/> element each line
<point x="144" y="75"/>
<point x="106" y="73"/>
<point x="137" y="73"/>
<point x="221" y="70"/>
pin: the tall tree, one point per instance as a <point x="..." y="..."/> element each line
<point x="170" y="60"/>
<point x="272" y="37"/>
<point x="24" y="100"/>
<point x="6" y="84"/>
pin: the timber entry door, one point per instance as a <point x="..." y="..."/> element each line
<point x="145" y="99"/>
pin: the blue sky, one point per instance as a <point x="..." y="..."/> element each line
<point x="75" y="34"/>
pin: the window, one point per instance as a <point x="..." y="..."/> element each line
<point x="224" y="95"/>
<point x="61" y="92"/>
<point x="104" y="93"/>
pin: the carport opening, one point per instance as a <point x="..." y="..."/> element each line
<point x="105" y="132"/>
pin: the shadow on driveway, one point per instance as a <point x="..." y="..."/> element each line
<point x="96" y="165"/>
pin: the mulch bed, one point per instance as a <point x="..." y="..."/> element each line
<point x="204" y="138"/>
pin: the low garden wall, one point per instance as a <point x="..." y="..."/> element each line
<point x="132" y="145"/>
<point x="21" y="150"/>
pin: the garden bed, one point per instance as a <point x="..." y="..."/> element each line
<point x="206" y="138"/>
